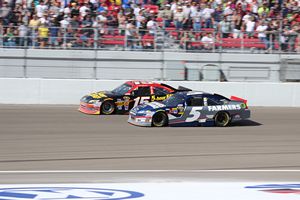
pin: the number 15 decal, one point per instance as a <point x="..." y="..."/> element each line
<point x="141" y="100"/>
<point x="195" y="112"/>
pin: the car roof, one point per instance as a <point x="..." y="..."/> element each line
<point x="147" y="83"/>
<point x="195" y="93"/>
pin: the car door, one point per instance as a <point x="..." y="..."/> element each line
<point x="141" y="95"/>
<point x="194" y="109"/>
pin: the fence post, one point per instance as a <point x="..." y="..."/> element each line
<point x="95" y="38"/>
<point x="25" y="63"/>
<point x="1" y="36"/>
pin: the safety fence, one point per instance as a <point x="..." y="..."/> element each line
<point x="167" y="39"/>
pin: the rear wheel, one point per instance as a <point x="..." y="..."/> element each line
<point x="107" y="107"/>
<point x="160" y="119"/>
<point x="222" y="119"/>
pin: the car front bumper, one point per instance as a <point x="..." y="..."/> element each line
<point x="140" y="120"/>
<point x="90" y="109"/>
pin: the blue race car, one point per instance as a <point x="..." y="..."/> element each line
<point x="190" y="108"/>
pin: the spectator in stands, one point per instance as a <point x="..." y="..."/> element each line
<point x="9" y="37"/>
<point x="64" y="23"/>
<point x="53" y="33"/>
<point x="178" y="18"/>
<point x="167" y="15"/>
<point x="43" y="34"/>
<point x="217" y="16"/>
<point x="186" y="9"/>
<point x="185" y="42"/>
<point x="225" y="28"/>
<point x="250" y="27"/>
<point x="34" y="22"/>
<point x="291" y="37"/>
<point x="263" y="11"/>
<point x="23" y="31"/>
<point x="207" y="41"/>
<point x="152" y="26"/>
<point x="41" y="8"/>
<point x="130" y="33"/>
<point x="271" y="35"/>
<point x="261" y="30"/>
<point x="237" y="23"/>
<point x="5" y="12"/>
<point x="197" y="19"/>
<point x="207" y="13"/>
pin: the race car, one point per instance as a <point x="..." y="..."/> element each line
<point x="190" y="108"/>
<point x="123" y="98"/>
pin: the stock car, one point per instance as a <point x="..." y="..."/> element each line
<point x="123" y="98"/>
<point x="190" y="108"/>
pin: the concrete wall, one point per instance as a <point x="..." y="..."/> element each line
<point x="80" y="64"/>
<point x="69" y="91"/>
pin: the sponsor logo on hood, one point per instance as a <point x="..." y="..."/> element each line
<point x="49" y="193"/>
<point x="98" y="95"/>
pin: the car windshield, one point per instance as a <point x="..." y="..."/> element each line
<point x="174" y="100"/>
<point x="122" y="89"/>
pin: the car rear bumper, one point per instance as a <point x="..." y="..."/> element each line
<point x="90" y="109"/>
<point x="245" y="114"/>
<point x="140" y="120"/>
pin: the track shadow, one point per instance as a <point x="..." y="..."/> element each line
<point x="246" y="123"/>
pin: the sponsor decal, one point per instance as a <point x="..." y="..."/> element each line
<point x="49" y="193"/>
<point x="224" y="107"/>
<point x="119" y="104"/>
<point x="98" y="95"/>
<point x="126" y="102"/>
<point x="156" y="105"/>
<point x="277" y="188"/>
<point x="157" y="98"/>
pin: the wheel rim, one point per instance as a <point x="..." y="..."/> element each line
<point x="159" y="120"/>
<point x="222" y="119"/>
<point x="107" y="108"/>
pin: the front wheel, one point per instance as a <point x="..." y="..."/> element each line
<point x="107" y="107"/>
<point x="160" y="119"/>
<point x="222" y="119"/>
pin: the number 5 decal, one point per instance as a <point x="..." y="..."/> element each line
<point x="195" y="112"/>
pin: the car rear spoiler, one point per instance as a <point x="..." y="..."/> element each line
<point x="179" y="89"/>
<point x="183" y="89"/>
<point x="235" y="98"/>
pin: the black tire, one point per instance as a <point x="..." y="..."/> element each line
<point x="108" y="108"/>
<point x="222" y="119"/>
<point x="160" y="119"/>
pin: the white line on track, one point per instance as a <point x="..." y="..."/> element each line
<point x="146" y="171"/>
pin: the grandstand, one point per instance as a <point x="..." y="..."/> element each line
<point x="195" y="26"/>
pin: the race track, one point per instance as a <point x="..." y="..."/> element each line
<point x="36" y="137"/>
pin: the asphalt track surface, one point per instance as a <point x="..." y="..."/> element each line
<point x="58" y="144"/>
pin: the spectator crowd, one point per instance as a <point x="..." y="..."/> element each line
<point x="82" y="23"/>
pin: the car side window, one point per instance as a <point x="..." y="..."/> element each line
<point x="143" y="91"/>
<point x="195" y="101"/>
<point x="211" y="102"/>
<point x="160" y="91"/>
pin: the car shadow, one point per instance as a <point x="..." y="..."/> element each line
<point x="245" y="123"/>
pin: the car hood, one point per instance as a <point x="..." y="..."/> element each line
<point x="99" y="95"/>
<point x="152" y="106"/>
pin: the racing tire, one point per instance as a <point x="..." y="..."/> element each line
<point x="222" y="119"/>
<point x="160" y="119"/>
<point x="108" y="108"/>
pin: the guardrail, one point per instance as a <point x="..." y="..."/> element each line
<point x="166" y="39"/>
